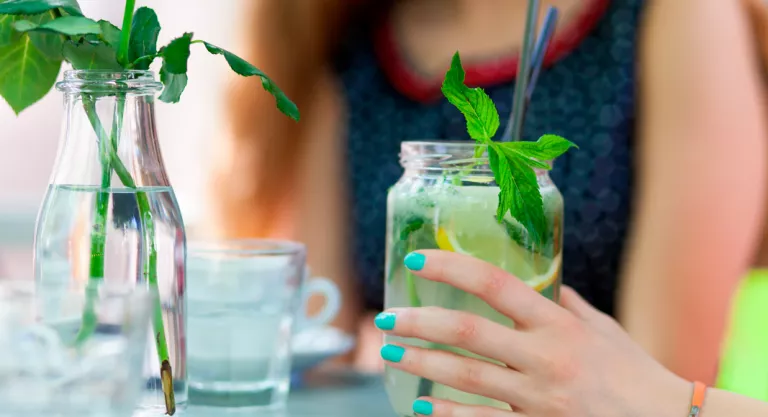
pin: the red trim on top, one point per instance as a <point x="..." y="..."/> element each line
<point x="417" y="87"/>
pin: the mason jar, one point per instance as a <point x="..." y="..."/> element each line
<point x="447" y="200"/>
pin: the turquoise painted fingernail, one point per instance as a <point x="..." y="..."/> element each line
<point x="422" y="407"/>
<point x="415" y="261"/>
<point x="392" y="353"/>
<point x="385" y="321"/>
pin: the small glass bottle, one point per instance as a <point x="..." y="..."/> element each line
<point x="110" y="215"/>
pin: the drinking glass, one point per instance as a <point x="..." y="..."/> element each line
<point x="61" y="359"/>
<point x="246" y="298"/>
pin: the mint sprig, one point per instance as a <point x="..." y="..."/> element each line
<point x="512" y="163"/>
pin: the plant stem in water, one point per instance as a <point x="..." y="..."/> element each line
<point x="150" y="267"/>
<point x="99" y="231"/>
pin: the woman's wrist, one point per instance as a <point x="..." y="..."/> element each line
<point x="719" y="403"/>
<point x="668" y="398"/>
<point x="677" y="399"/>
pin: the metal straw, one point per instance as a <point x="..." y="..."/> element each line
<point x="515" y="126"/>
<point x="539" y="51"/>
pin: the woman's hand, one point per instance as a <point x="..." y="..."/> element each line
<point x="566" y="360"/>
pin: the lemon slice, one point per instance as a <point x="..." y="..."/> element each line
<point x="447" y="241"/>
<point x="541" y="282"/>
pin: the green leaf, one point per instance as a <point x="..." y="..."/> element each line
<point x="87" y="56"/>
<point x="32" y="7"/>
<point x="473" y="103"/>
<point x="173" y="74"/>
<point x="411" y="226"/>
<point x="174" y="85"/>
<point x="176" y="54"/>
<point x="407" y="239"/>
<point x="520" y="236"/>
<point x="68" y="25"/>
<point x="519" y="195"/>
<point x="7" y="33"/>
<point x="512" y="150"/>
<point x="110" y="33"/>
<point x="547" y="148"/>
<point x="512" y="163"/>
<point x="26" y="74"/>
<point x="244" y="68"/>
<point x="145" y="30"/>
<point x="48" y="43"/>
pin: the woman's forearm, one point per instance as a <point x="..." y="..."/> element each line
<point x="701" y="181"/>
<point x="719" y="403"/>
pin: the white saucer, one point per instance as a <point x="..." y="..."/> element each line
<point x="312" y="346"/>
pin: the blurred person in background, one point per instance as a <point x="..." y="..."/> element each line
<point x="663" y="201"/>
<point x="744" y="364"/>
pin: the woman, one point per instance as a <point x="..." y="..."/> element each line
<point x="663" y="199"/>
<point x="568" y="360"/>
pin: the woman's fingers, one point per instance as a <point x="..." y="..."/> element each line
<point x="572" y="301"/>
<point x="501" y="290"/>
<point x="473" y="376"/>
<point x="433" y="407"/>
<point x="457" y="328"/>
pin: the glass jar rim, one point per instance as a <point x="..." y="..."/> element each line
<point x="135" y="82"/>
<point x="448" y="155"/>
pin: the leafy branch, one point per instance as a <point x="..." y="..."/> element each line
<point x="513" y="163"/>
<point x="36" y="38"/>
<point x="28" y="70"/>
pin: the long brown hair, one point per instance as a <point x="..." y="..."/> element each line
<point x="289" y="40"/>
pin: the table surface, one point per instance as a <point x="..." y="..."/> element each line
<point x="337" y="394"/>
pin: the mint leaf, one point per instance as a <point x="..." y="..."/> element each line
<point x="547" y="148"/>
<point x="519" y="236"/>
<point x="407" y="240"/>
<point x="174" y="85"/>
<point x="32" y="7"/>
<point x="176" y="54"/>
<point x="26" y="74"/>
<point x="513" y="163"/>
<point x="110" y="33"/>
<point x="244" y="68"/>
<point x="145" y="30"/>
<point x="511" y="151"/>
<point x="473" y="103"/>
<point x="68" y="25"/>
<point x="87" y="56"/>
<point x="519" y="195"/>
<point x="411" y="226"/>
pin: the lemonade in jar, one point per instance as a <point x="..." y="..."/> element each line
<point x="490" y="200"/>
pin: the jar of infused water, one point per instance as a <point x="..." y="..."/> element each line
<point x="447" y="199"/>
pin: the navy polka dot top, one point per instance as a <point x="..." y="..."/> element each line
<point x="587" y="95"/>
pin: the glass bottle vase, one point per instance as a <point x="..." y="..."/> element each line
<point x="110" y="215"/>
